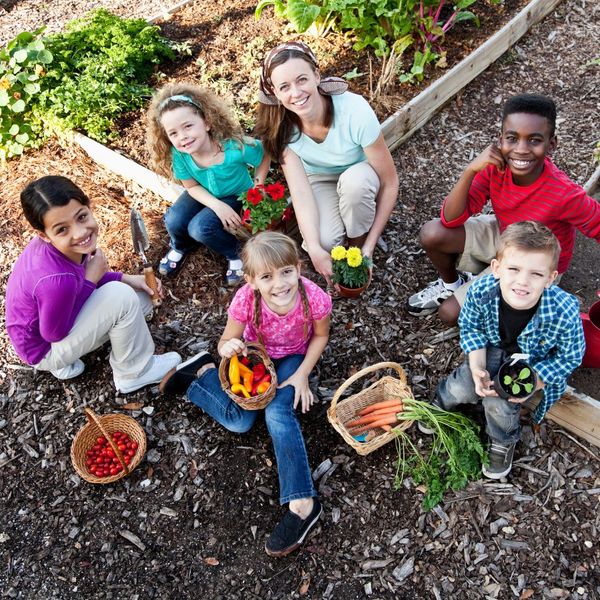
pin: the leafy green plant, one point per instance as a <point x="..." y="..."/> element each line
<point x="350" y="268"/>
<point x="514" y="383"/>
<point x="455" y="456"/>
<point x="101" y="63"/>
<point x="263" y="206"/>
<point x="23" y="64"/>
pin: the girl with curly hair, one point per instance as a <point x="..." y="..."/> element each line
<point x="193" y="138"/>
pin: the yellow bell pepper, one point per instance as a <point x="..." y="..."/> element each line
<point x="239" y="389"/>
<point x="234" y="370"/>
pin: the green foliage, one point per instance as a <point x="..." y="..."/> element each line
<point x="350" y="268"/>
<point x="101" y="63"/>
<point x="380" y="24"/>
<point x="455" y="456"/>
<point x="515" y="383"/>
<point x="23" y="64"/>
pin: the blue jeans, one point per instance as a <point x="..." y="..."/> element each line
<point x="501" y="416"/>
<point x="295" y="480"/>
<point x="189" y="222"/>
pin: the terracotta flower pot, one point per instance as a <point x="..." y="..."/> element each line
<point x="347" y="292"/>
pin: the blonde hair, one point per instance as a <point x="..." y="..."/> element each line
<point x="272" y="250"/>
<point x="530" y="236"/>
<point x="212" y="109"/>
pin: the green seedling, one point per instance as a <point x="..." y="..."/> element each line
<point x="515" y="383"/>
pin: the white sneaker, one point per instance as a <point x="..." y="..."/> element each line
<point x="428" y="300"/>
<point x="158" y="366"/>
<point x="70" y="371"/>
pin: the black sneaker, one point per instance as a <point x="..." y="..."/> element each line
<point x="500" y="457"/>
<point x="291" y="531"/>
<point x="178" y="380"/>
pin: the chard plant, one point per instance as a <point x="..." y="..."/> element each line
<point x="518" y="381"/>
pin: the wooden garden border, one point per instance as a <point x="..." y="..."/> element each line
<point x="576" y="412"/>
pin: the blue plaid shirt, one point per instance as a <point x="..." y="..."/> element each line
<point x="553" y="338"/>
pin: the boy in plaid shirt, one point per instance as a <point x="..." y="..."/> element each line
<point x="516" y="309"/>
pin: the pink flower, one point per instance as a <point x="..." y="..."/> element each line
<point x="254" y="196"/>
<point x="275" y="190"/>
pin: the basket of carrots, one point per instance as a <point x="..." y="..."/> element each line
<point x="108" y="447"/>
<point x="249" y="381"/>
<point x="368" y="419"/>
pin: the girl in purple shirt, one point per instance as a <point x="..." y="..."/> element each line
<point x="62" y="301"/>
<point x="290" y="316"/>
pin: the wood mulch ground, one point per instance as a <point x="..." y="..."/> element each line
<point x="195" y="514"/>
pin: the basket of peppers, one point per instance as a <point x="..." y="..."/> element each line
<point x="249" y="381"/>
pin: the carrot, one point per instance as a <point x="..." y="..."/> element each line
<point x="390" y="420"/>
<point x="386" y="427"/>
<point x="365" y="420"/>
<point x="391" y="410"/>
<point x="378" y="405"/>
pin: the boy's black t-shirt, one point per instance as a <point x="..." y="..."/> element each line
<point x="512" y="322"/>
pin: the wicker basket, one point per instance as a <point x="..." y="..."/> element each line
<point x="256" y="354"/>
<point x="105" y="426"/>
<point x="339" y="413"/>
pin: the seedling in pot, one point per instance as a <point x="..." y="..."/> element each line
<point x="521" y="380"/>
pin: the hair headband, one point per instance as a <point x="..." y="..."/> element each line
<point x="179" y="98"/>
<point x="328" y="85"/>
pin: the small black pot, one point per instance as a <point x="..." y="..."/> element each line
<point x="509" y="390"/>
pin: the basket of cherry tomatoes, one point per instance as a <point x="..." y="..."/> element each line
<point x="108" y="447"/>
<point x="249" y="381"/>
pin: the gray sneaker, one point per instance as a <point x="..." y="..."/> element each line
<point x="501" y="458"/>
<point x="158" y="366"/>
<point x="428" y="300"/>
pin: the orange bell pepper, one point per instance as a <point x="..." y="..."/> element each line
<point x="262" y="387"/>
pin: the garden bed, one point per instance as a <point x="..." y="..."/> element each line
<point x="202" y="503"/>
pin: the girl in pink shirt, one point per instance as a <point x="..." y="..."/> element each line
<point x="289" y="315"/>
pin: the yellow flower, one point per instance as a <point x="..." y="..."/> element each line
<point x="354" y="257"/>
<point x="338" y="253"/>
<point x="4" y="83"/>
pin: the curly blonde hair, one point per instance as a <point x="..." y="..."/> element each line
<point x="212" y="109"/>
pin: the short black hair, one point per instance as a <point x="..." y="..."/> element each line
<point x="47" y="192"/>
<point x="533" y="104"/>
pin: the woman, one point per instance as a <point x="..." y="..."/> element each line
<point x="340" y="173"/>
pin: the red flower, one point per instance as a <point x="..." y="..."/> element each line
<point x="287" y="214"/>
<point x="275" y="190"/>
<point x="246" y="216"/>
<point x="254" y="196"/>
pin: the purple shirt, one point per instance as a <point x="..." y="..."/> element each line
<point x="44" y="295"/>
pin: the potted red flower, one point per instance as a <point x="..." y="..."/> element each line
<point x="265" y="207"/>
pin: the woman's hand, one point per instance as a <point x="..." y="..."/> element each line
<point x="96" y="266"/>
<point x="232" y="346"/>
<point x="229" y="217"/>
<point x="138" y="282"/>
<point x="302" y="393"/>
<point x="321" y="260"/>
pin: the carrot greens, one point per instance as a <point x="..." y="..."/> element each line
<point x="455" y="456"/>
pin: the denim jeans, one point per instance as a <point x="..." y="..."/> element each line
<point x="295" y="480"/>
<point x="189" y="222"/>
<point x="501" y="416"/>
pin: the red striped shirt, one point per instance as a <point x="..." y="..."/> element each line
<point x="553" y="199"/>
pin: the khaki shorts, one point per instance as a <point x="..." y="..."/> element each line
<point x="482" y="238"/>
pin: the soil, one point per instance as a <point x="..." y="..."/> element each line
<point x="195" y="514"/>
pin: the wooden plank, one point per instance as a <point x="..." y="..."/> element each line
<point x="129" y="169"/>
<point x="579" y="414"/>
<point x="413" y="115"/>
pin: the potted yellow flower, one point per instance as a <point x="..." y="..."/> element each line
<point x="351" y="270"/>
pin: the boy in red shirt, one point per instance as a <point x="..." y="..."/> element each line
<point x="522" y="183"/>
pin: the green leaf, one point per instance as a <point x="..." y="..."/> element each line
<point x="4" y="98"/>
<point x="22" y="138"/>
<point x="20" y="56"/>
<point x="13" y="130"/>
<point x="18" y="106"/>
<point x="524" y="373"/>
<point x="528" y="387"/>
<point x="515" y="389"/>
<point x="507" y="380"/>
<point x="301" y="14"/>
<point x="45" y="57"/>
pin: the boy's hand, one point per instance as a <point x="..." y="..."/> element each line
<point x="96" y="266"/>
<point x="483" y="384"/>
<point x="231" y="347"/>
<point x="490" y="156"/>
<point x="302" y="391"/>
